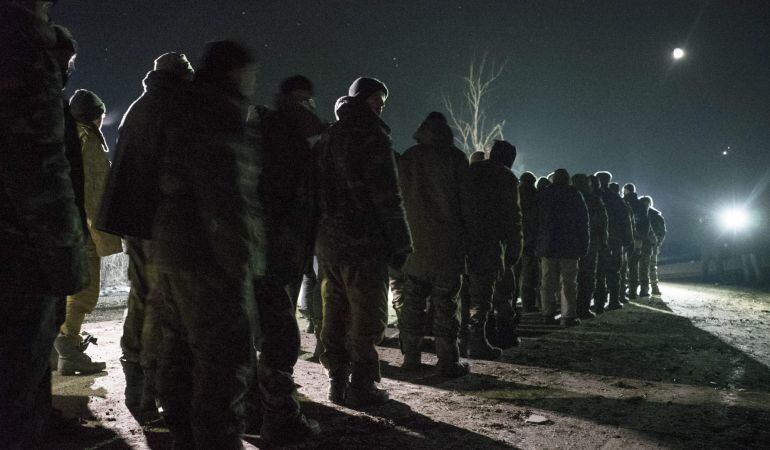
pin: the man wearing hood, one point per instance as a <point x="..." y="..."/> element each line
<point x="42" y="245"/>
<point x="208" y="248"/>
<point x="362" y="230"/>
<point x="597" y="222"/>
<point x="495" y="244"/>
<point x="432" y="176"/>
<point x="658" y="230"/>
<point x="639" y="257"/>
<point x="128" y="209"/>
<point x="620" y="235"/>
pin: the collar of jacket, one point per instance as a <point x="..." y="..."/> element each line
<point x="353" y="109"/>
<point x="161" y="80"/>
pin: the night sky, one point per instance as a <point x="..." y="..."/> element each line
<point x="588" y="85"/>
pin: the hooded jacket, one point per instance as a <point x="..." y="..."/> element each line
<point x="361" y="208"/>
<point x="620" y="227"/>
<point x="41" y="235"/>
<point x="432" y="176"/>
<point x="563" y="223"/>
<point x="494" y="215"/>
<point x="657" y="226"/>
<point x="131" y="195"/>
<point x="640" y="217"/>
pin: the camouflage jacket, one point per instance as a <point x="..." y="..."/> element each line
<point x="597" y="219"/>
<point x="657" y="226"/>
<point x="563" y="223"/>
<point x="361" y="209"/>
<point x="208" y="216"/>
<point x="619" y="224"/>
<point x="41" y="235"/>
<point x="640" y="214"/>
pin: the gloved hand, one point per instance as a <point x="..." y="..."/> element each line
<point x="398" y="260"/>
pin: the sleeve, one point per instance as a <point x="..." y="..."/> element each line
<point x="604" y="223"/>
<point x="582" y="223"/>
<point x="385" y="196"/>
<point x="513" y="221"/>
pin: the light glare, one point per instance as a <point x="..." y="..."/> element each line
<point x="678" y="53"/>
<point x="734" y="219"/>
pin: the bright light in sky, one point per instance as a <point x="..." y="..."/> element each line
<point x="678" y="53"/>
<point x="734" y="219"/>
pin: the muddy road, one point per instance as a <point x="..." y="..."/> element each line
<point x="688" y="370"/>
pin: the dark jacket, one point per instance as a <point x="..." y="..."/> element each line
<point x="620" y="227"/>
<point x="640" y="216"/>
<point x="208" y="216"/>
<point x="41" y="234"/>
<point x="494" y="215"/>
<point x="563" y="223"/>
<point x="597" y="220"/>
<point x="528" y="202"/>
<point x="432" y="175"/>
<point x="287" y="187"/>
<point x="362" y="213"/>
<point x="657" y="226"/>
<point x="131" y="196"/>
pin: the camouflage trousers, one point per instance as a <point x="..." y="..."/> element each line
<point x="141" y="328"/>
<point x="411" y="307"/>
<point x="556" y="273"/>
<point x="608" y="274"/>
<point x="586" y="281"/>
<point x="29" y="325"/>
<point x="84" y="302"/>
<point x="639" y="269"/>
<point x="207" y="356"/>
<point x="355" y="314"/>
<point x="654" y="265"/>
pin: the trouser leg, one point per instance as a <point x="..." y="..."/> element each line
<point x="568" y="269"/>
<point x="549" y="286"/>
<point x="586" y="282"/>
<point x="504" y="302"/>
<point x="84" y="302"/>
<point x="612" y="267"/>
<point x="654" y="266"/>
<point x="530" y="282"/>
<point x="396" y="285"/>
<point x="367" y="291"/>
<point x="634" y="259"/>
<point x="644" y="268"/>
<point x="28" y="330"/>
<point x="336" y="322"/>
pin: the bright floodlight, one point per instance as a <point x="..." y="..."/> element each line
<point x="678" y="53"/>
<point x="734" y="219"/>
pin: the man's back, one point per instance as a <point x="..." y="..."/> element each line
<point x="563" y="223"/>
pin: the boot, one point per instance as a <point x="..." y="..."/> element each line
<point x="149" y="394"/>
<point x="281" y="432"/>
<point x="506" y="335"/>
<point x="479" y="347"/>
<point x="656" y="290"/>
<point x="570" y="322"/>
<point x="364" y="392"/>
<point x="338" y="389"/>
<point x="410" y="347"/>
<point x="134" y="387"/>
<point x="463" y="341"/>
<point x="491" y="329"/>
<point x="448" y="353"/>
<point x="644" y="291"/>
<point x="72" y="360"/>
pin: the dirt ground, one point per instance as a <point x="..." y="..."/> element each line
<point x="689" y="370"/>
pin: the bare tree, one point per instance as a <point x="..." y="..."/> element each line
<point x="470" y="118"/>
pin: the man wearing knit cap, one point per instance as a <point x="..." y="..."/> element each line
<point x="494" y="245"/>
<point x="41" y="234"/>
<point x="597" y="222"/>
<point x="88" y="110"/>
<point x="128" y="209"/>
<point x="362" y="230"/>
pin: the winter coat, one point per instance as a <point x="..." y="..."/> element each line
<point x="132" y="194"/>
<point x="597" y="220"/>
<point x="528" y="202"/>
<point x="288" y="187"/>
<point x="432" y="176"/>
<point x="563" y="223"/>
<point x="96" y="168"/>
<point x="657" y="226"/>
<point x="494" y="216"/>
<point x="362" y="216"/>
<point x="620" y="226"/>
<point x="208" y="217"/>
<point x="41" y="235"/>
<point x="640" y="216"/>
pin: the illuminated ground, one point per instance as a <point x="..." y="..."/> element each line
<point x="690" y="371"/>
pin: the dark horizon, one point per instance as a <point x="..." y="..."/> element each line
<point x="585" y="87"/>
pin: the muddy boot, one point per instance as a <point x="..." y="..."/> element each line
<point x="449" y="364"/>
<point x="479" y="347"/>
<point x="72" y="360"/>
<point x="134" y="387"/>
<point x="364" y="392"/>
<point x="339" y="387"/>
<point x="656" y="290"/>
<point x="506" y="335"/>
<point x="281" y="432"/>
<point x="462" y="341"/>
<point x="410" y="347"/>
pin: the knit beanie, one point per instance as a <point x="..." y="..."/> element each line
<point x="503" y="152"/>
<point x="528" y="178"/>
<point x="296" y="83"/>
<point x="176" y="63"/>
<point x="364" y="87"/>
<point x="86" y="106"/>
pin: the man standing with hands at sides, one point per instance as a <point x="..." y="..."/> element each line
<point x="362" y="231"/>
